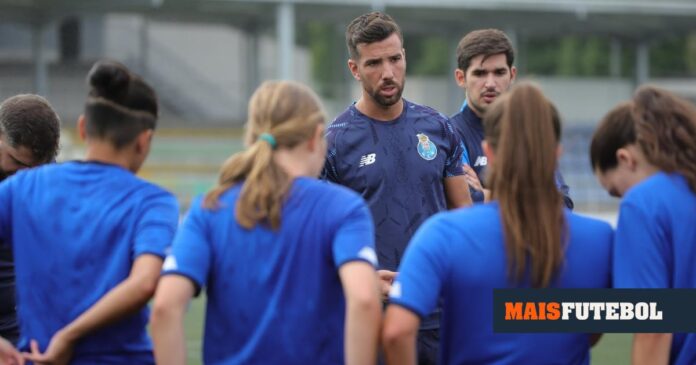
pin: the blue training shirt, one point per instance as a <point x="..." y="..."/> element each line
<point x="76" y="229"/>
<point x="275" y="297"/>
<point x="469" y="127"/>
<point x="656" y="244"/>
<point x="397" y="166"/>
<point x="461" y="257"/>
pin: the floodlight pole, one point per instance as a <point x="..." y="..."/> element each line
<point x="38" y="30"/>
<point x="285" y="30"/>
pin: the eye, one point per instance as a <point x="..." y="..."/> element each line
<point x="501" y="72"/>
<point x="395" y="58"/>
<point x="478" y="72"/>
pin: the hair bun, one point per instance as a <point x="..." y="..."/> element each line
<point x="109" y="79"/>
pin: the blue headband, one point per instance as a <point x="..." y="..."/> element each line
<point x="269" y="139"/>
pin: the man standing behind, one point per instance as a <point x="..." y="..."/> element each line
<point x="29" y="133"/>
<point x="403" y="158"/>
<point x="485" y="70"/>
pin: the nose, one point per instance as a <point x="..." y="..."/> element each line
<point x="387" y="72"/>
<point x="490" y="81"/>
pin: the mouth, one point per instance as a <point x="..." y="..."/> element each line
<point x="489" y="97"/>
<point x="388" y="90"/>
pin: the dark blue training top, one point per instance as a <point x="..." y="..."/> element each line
<point x="275" y="297"/>
<point x="459" y="257"/>
<point x="470" y="129"/>
<point x="76" y="228"/>
<point x="655" y="244"/>
<point x="397" y="166"/>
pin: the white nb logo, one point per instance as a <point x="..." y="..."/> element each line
<point x="481" y="161"/>
<point x="368" y="159"/>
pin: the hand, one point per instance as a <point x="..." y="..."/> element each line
<point x="386" y="278"/>
<point x="8" y="354"/>
<point x="471" y="178"/>
<point x="59" y="351"/>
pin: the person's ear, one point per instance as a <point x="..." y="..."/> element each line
<point x="625" y="158"/>
<point x="513" y="74"/>
<point x="353" y="67"/>
<point x="315" y="141"/>
<point x="81" y="127"/>
<point x="142" y="143"/>
<point x="460" y="77"/>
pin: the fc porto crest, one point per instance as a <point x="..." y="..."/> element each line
<point x="426" y="149"/>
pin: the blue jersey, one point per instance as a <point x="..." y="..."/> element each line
<point x="76" y="229"/>
<point x="461" y="257"/>
<point x="398" y="167"/>
<point x="656" y="244"/>
<point x="275" y="297"/>
<point x="470" y="129"/>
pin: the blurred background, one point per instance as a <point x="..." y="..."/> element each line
<point x="205" y="58"/>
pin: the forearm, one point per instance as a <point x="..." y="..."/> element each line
<point x="168" y="335"/>
<point x="401" y="350"/>
<point x="125" y="299"/>
<point x="362" y="332"/>
<point x="651" y="348"/>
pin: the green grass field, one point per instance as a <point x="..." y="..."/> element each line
<point x="613" y="349"/>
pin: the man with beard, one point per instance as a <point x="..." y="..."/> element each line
<point x="484" y="70"/>
<point x="403" y="158"/>
<point x="29" y="133"/>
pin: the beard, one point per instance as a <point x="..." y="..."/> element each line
<point x="389" y="100"/>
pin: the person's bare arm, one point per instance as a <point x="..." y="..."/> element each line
<point x="363" y="312"/>
<point x="399" y="336"/>
<point x="174" y="293"/>
<point x="457" y="192"/>
<point x="651" y="348"/>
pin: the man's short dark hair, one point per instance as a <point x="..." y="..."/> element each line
<point x="29" y="121"/>
<point x="369" y="28"/>
<point x="486" y="42"/>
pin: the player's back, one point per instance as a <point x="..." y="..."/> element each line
<point x="656" y="244"/>
<point x="76" y="229"/>
<point x="275" y="296"/>
<point x="470" y="247"/>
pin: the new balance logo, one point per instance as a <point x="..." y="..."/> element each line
<point x="481" y="161"/>
<point x="368" y="159"/>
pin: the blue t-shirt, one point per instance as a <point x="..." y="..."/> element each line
<point x="275" y="297"/>
<point x="461" y="257"/>
<point x="469" y="127"/>
<point x="397" y="166"/>
<point x="76" y="229"/>
<point x="655" y="244"/>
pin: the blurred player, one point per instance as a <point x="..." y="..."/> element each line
<point x="403" y="158"/>
<point x="523" y="238"/>
<point x="89" y="236"/>
<point x="287" y="260"/>
<point x="645" y="151"/>
<point x="485" y="71"/>
<point x="29" y="134"/>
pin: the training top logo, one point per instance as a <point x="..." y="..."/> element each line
<point x="481" y="161"/>
<point x="426" y="149"/>
<point x="368" y="159"/>
<point x="170" y="263"/>
<point x="368" y="253"/>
